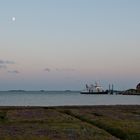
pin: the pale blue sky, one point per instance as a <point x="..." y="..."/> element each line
<point x="63" y="44"/>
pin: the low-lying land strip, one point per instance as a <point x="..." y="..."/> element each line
<point x="70" y="123"/>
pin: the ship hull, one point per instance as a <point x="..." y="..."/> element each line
<point x="85" y="92"/>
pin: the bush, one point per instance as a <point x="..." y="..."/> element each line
<point x="3" y="116"/>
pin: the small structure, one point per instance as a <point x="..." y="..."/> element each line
<point x="138" y="87"/>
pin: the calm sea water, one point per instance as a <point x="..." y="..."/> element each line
<point x="60" y="98"/>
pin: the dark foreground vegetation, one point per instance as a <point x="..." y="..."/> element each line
<point x="70" y="123"/>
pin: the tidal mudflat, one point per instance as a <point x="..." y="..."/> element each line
<point x="70" y="123"/>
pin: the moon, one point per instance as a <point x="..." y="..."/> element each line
<point x="13" y="18"/>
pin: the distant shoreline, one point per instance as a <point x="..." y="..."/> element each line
<point x="71" y="106"/>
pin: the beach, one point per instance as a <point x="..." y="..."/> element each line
<point x="101" y="122"/>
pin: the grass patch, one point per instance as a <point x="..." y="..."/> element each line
<point x="112" y="130"/>
<point x="97" y="114"/>
<point x="3" y="116"/>
<point x="25" y="138"/>
<point x="61" y="123"/>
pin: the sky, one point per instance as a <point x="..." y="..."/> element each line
<point x="65" y="44"/>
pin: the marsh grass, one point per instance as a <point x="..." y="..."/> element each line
<point x="3" y="117"/>
<point x="70" y="123"/>
<point x="97" y="114"/>
<point x="25" y="138"/>
<point x="113" y="127"/>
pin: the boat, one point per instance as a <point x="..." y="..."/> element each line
<point x="94" y="89"/>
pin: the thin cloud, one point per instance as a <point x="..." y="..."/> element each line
<point x="6" y="62"/>
<point x="65" y="70"/>
<point x="3" y="66"/>
<point x="13" y="71"/>
<point x="47" y="69"/>
<point x="60" y="69"/>
<point x="69" y="69"/>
